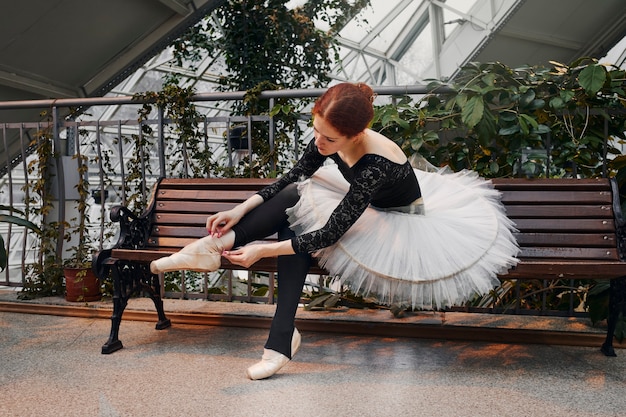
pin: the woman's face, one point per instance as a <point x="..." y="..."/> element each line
<point x="327" y="139"/>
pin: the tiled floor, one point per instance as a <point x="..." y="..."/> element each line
<point x="52" y="366"/>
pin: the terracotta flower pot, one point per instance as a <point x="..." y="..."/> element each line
<point x="81" y="285"/>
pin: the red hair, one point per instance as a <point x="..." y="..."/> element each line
<point x="347" y="107"/>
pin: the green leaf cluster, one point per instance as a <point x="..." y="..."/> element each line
<point x="566" y="120"/>
<point x="260" y="45"/>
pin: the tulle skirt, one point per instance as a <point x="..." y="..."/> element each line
<point x="441" y="258"/>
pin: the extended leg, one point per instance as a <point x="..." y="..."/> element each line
<point x="284" y="340"/>
<point x="265" y="220"/>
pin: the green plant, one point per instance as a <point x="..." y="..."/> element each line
<point x="44" y="277"/>
<point x="17" y="220"/>
<point x="80" y="254"/>
<point x="264" y="45"/>
<point x="533" y="121"/>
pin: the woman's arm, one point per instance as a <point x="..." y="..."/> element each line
<point x="249" y="254"/>
<point x="311" y="160"/>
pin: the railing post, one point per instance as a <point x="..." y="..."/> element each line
<point x="606" y="148"/>
<point x="100" y="183"/>
<point x="548" y="153"/>
<point x="59" y="152"/>
<point x="271" y="130"/>
<point x="161" y="139"/>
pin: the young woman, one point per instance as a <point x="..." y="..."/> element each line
<point x="355" y="203"/>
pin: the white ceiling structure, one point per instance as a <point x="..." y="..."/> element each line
<point x="403" y="42"/>
<point x="85" y="48"/>
<point x="408" y="41"/>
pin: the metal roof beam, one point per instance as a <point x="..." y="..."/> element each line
<point x="411" y="30"/>
<point x="385" y="22"/>
<point x="42" y="87"/>
<point x="179" y="6"/>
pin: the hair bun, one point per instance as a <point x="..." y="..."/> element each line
<point x="366" y="90"/>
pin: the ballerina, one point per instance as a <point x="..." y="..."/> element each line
<point x="354" y="202"/>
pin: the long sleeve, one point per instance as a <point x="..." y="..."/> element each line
<point x="370" y="175"/>
<point x="305" y="167"/>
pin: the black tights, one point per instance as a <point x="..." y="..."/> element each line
<point x="263" y="221"/>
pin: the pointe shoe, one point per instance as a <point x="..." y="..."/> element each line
<point x="203" y="255"/>
<point x="272" y="361"/>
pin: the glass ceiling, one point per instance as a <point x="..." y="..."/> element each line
<point x="389" y="43"/>
<point x="395" y="42"/>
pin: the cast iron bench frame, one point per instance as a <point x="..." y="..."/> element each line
<point x="568" y="229"/>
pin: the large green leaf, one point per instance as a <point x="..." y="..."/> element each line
<point x="527" y="98"/>
<point x="473" y="111"/>
<point x="6" y="218"/>
<point x="3" y="255"/>
<point x="592" y="78"/>
<point x="10" y="209"/>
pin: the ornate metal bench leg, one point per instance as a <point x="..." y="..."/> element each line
<point x="154" y="292"/>
<point x="120" y="300"/>
<point x="617" y="296"/>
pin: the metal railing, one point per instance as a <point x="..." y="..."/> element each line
<point x="107" y="143"/>
<point x="108" y="147"/>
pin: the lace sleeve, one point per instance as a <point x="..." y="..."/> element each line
<point x="366" y="183"/>
<point x="309" y="163"/>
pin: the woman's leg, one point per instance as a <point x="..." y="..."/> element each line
<point x="265" y="220"/>
<point x="292" y="271"/>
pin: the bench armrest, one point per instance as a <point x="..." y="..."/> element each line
<point x="134" y="230"/>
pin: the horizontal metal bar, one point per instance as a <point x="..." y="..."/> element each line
<point x="213" y="96"/>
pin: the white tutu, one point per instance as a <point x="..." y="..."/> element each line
<point x="442" y="258"/>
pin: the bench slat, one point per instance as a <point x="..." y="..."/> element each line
<point x="560" y="225"/>
<point x="148" y="255"/>
<point x="221" y="183"/>
<point x="205" y="194"/>
<point x="206" y="207"/>
<point x="552" y="184"/>
<point x="570" y="268"/>
<point x="558" y="197"/>
<point x="183" y="219"/>
<point x="566" y="239"/>
<point x="559" y="211"/>
<point x="161" y="232"/>
<point x="569" y="253"/>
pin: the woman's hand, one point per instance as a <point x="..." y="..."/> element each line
<point x="245" y="256"/>
<point x="221" y="222"/>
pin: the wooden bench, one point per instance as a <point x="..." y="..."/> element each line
<point x="568" y="228"/>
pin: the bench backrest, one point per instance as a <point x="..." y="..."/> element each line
<point x="557" y="218"/>
<point x="180" y="207"/>
<point x="563" y="218"/>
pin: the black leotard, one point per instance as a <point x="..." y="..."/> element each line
<point x="373" y="180"/>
